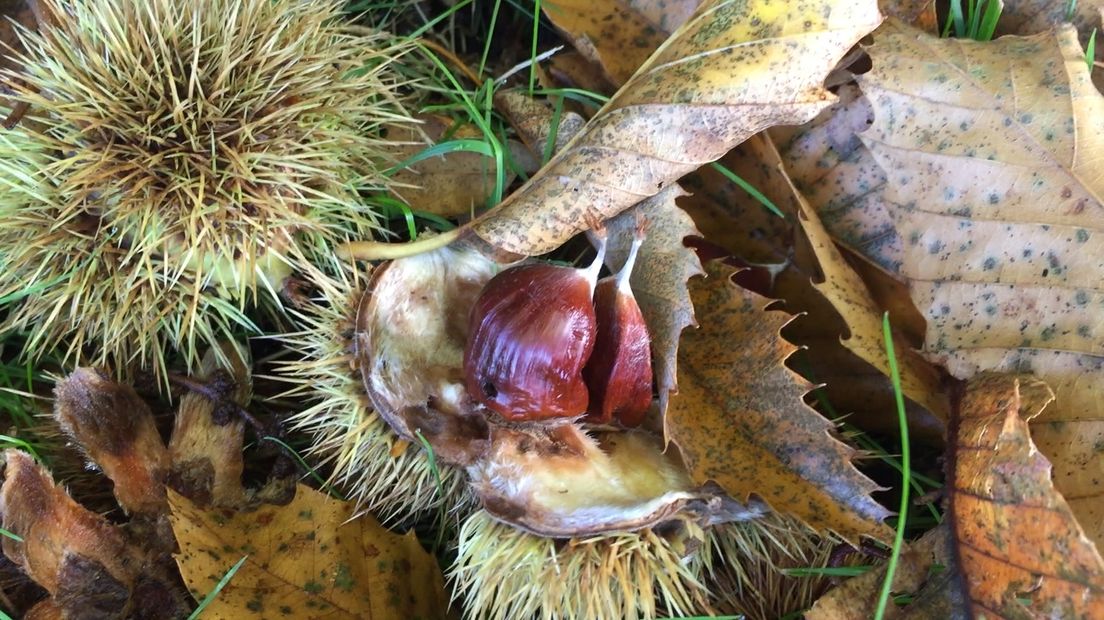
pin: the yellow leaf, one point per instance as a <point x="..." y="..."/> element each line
<point x="993" y="153"/>
<point x="727" y="73"/>
<point x="849" y="296"/>
<point x="739" y="418"/>
<point x="621" y="33"/>
<point x="305" y="560"/>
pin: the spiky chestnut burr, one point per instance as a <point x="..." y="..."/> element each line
<point x="373" y="466"/>
<point x="180" y="157"/>
<point x="751" y="559"/>
<point x="503" y="573"/>
<point x="531" y="331"/>
<point x="619" y="373"/>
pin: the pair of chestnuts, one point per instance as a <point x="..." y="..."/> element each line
<point x="549" y="341"/>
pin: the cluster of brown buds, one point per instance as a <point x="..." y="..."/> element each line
<point x="549" y="341"/>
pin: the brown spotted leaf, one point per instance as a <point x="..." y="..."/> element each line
<point x="659" y="277"/>
<point x="996" y="188"/>
<point x="305" y="560"/>
<point x="723" y="76"/>
<point x="1020" y="550"/>
<point x="739" y="418"/>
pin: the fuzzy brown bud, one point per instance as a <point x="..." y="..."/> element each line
<point x="116" y="429"/>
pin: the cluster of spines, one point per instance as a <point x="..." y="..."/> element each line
<point x="178" y="159"/>
<point x="502" y="572"/>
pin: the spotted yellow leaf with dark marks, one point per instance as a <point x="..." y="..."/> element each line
<point x="733" y="69"/>
<point x="1020" y="551"/>
<point x="843" y="288"/>
<point x="305" y="560"/>
<point x="621" y="33"/>
<point x="739" y="418"/>
<point x="839" y="177"/>
<point x="993" y="155"/>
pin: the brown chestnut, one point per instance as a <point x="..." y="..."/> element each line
<point x="531" y="332"/>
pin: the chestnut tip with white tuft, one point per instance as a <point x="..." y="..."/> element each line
<point x="619" y="372"/>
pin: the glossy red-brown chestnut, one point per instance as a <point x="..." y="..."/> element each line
<point x="619" y="373"/>
<point x="531" y="331"/>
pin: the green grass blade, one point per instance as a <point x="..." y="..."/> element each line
<point x="490" y="37"/>
<point x="470" y="145"/>
<point x="433" y="469"/>
<point x="11" y="535"/>
<point x="322" y="484"/>
<point x="906" y="471"/>
<point x="533" y="51"/>
<point x="21" y="444"/>
<point x="1090" y="51"/>
<point x="440" y="18"/>
<point x="747" y="187"/>
<point x="580" y="95"/>
<point x="989" y="20"/>
<point x="958" y="19"/>
<point x="553" y="131"/>
<point x="218" y="588"/>
<point x="826" y="571"/>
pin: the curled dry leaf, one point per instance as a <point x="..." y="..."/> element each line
<point x="740" y="421"/>
<point x="1020" y="550"/>
<point x="925" y="571"/>
<point x="996" y="185"/>
<point x="451" y="184"/>
<point x="307" y="559"/>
